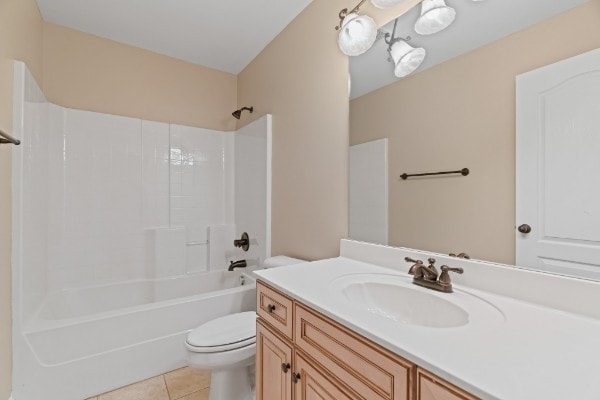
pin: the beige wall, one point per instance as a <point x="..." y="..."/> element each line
<point x="21" y="39"/>
<point x="91" y="73"/>
<point x="462" y="114"/>
<point x="302" y="79"/>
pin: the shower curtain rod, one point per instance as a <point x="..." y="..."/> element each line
<point x="6" y="138"/>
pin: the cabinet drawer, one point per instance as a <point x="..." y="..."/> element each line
<point x="369" y="370"/>
<point x="430" y="387"/>
<point x="275" y="308"/>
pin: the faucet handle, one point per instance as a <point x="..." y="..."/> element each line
<point x="444" y="279"/>
<point x="414" y="270"/>
<point x="446" y="268"/>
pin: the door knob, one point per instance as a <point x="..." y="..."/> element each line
<point x="524" y="228"/>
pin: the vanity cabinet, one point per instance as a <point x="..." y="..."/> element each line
<point x="273" y="365"/>
<point x="430" y="387"/>
<point x="301" y="354"/>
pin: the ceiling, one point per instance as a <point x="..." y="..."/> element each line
<point x="476" y="24"/>
<point x="220" y="34"/>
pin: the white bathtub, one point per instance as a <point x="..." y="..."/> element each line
<point x="88" y="341"/>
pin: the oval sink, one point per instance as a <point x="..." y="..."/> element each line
<point x="396" y="298"/>
<point x="406" y="305"/>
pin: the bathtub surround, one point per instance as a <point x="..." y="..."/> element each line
<point x="111" y="219"/>
<point x="20" y="38"/>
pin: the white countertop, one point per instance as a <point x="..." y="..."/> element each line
<point x="530" y="352"/>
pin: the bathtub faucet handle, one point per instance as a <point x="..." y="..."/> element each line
<point x="243" y="243"/>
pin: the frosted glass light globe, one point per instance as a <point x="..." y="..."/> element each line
<point x="435" y="17"/>
<point x="386" y="3"/>
<point x="357" y="35"/>
<point x="406" y="58"/>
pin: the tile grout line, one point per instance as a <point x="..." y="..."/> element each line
<point x="166" y="386"/>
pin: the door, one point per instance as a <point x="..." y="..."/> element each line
<point x="273" y="366"/>
<point x="558" y="167"/>
<point x="312" y="384"/>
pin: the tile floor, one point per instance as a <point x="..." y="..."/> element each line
<point x="181" y="384"/>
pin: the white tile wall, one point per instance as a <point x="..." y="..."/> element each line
<point x="251" y="186"/>
<point x="109" y="198"/>
<point x="220" y="238"/>
<point x="100" y="237"/>
<point x="34" y="144"/>
<point x="199" y="186"/>
<point x="155" y="171"/>
<point x="169" y="246"/>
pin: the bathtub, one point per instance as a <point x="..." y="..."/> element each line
<point x="88" y="341"/>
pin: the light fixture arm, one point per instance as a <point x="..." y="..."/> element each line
<point x="345" y="12"/>
<point x="391" y="39"/>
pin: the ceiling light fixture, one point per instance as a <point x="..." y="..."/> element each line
<point x="406" y="58"/>
<point x="435" y="17"/>
<point x="357" y="34"/>
<point x="386" y="3"/>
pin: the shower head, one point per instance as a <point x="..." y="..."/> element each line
<point x="238" y="113"/>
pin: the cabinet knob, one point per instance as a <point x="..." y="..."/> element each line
<point x="285" y="367"/>
<point x="270" y="308"/>
<point x="295" y="377"/>
<point x="524" y="228"/>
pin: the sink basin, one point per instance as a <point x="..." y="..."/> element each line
<point x="394" y="297"/>
<point x="406" y="305"/>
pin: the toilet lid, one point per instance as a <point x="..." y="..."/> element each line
<point x="225" y="333"/>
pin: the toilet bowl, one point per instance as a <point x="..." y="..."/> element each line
<point x="227" y="347"/>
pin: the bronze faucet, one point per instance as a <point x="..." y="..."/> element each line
<point x="427" y="276"/>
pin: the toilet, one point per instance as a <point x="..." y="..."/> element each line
<point x="227" y="347"/>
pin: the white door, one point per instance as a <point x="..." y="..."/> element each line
<point x="558" y="167"/>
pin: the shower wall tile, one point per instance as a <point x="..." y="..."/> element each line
<point x="220" y="239"/>
<point x="169" y="258"/>
<point x="100" y="203"/>
<point x="199" y="186"/>
<point x="196" y="258"/>
<point x="251" y="189"/>
<point x="34" y="135"/>
<point x="155" y="154"/>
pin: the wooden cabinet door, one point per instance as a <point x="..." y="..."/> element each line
<point x="313" y="384"/>
<point x="430" y="387"/>
<point x="273" y="366"/>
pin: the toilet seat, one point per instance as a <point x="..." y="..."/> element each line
<point x="226" y="333"/>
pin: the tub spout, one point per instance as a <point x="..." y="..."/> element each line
<point x="237" y="264"/>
